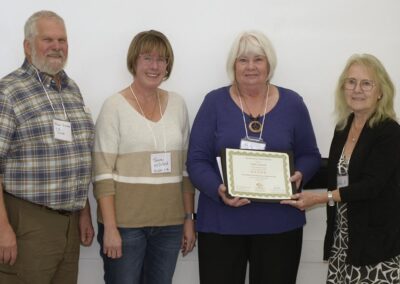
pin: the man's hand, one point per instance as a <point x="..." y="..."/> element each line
<point x="8" y="245"/>
<point x="86" y="230"/>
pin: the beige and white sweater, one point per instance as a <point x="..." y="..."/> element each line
<point x="123" y="145"/>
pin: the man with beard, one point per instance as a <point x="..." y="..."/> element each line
<point x="46" y="135"/>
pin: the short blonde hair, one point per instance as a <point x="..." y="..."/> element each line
<point x="382" y="81"/>
<point x="255" y="42"/>
<point x="148" y="41"/>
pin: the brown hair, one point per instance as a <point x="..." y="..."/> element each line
<point x="146" y="42"/>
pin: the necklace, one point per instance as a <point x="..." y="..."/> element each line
<point x="147" y="120"/>
<point x="254" y="125"/>
<point x="140" y="107"/>
<point x="354" y="133"/>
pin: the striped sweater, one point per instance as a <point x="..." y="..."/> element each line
<point x="124" y="143"/>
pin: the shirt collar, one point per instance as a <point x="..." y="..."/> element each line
<point x="47" y="80"/>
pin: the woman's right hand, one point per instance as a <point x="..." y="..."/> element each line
<point x="112" y="243"/>
<point x="234" y="202"/>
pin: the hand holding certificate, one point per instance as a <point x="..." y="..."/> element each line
<point x="258" y="175"/>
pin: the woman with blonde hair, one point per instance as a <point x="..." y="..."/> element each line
<point x="249" y="111"/>
<point x="362" y="242"/>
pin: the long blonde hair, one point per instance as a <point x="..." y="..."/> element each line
<point x="384" y="109"/>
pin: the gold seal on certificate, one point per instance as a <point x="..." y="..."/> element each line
<point x="258" y="175"/>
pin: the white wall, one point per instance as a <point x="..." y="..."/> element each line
<point x="312" y="38"/>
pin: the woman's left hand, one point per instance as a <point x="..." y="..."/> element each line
<point x="297" y="177"/>
<point x="189" y="237"/>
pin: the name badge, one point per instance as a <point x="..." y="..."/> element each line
<point x="342" y="180"/>
<point x="160" y="163"/>
<point x="252" y="144"/>
<point x="62" y="130"/>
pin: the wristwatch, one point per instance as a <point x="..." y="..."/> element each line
<point x="190" y="216"/>
<point x="331" y="202"/>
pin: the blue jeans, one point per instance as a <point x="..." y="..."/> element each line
<point x="149" y="255"/>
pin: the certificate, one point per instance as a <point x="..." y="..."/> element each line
<point x="258" y="175"/>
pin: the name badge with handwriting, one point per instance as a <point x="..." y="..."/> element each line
<point x="62" y="130"/>
<point x="160" y="163"/>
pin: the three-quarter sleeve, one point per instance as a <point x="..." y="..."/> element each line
<point x="186" y="183"/>
<point x="105" y="150"/>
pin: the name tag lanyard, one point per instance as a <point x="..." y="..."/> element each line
<point x="62" y="128"/>
<point x="160" y="162"/>
<point x="258" y="140"/>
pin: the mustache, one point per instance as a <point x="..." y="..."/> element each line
<point x="59" y="53"/>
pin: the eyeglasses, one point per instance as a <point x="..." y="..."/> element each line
<point x="351" y="83"/>
<point x="148" y="59"/>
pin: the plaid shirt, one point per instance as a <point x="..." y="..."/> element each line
<point x="34" y="165"/>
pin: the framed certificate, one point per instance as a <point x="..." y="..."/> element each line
<point x="258" y="175"/>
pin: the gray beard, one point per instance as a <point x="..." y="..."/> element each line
<point x="44" y="67"/>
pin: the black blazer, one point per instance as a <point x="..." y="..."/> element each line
<point x="373" y="194"/>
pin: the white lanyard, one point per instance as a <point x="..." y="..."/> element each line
<point x="244" y="118"/>
<point x="48" y="98"/>
<point x="147" y="121"/>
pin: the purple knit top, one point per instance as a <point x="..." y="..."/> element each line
<point x="218" y="125"/>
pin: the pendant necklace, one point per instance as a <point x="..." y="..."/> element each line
<point x="254" y="125"/>
<point x="354" y="133"/>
